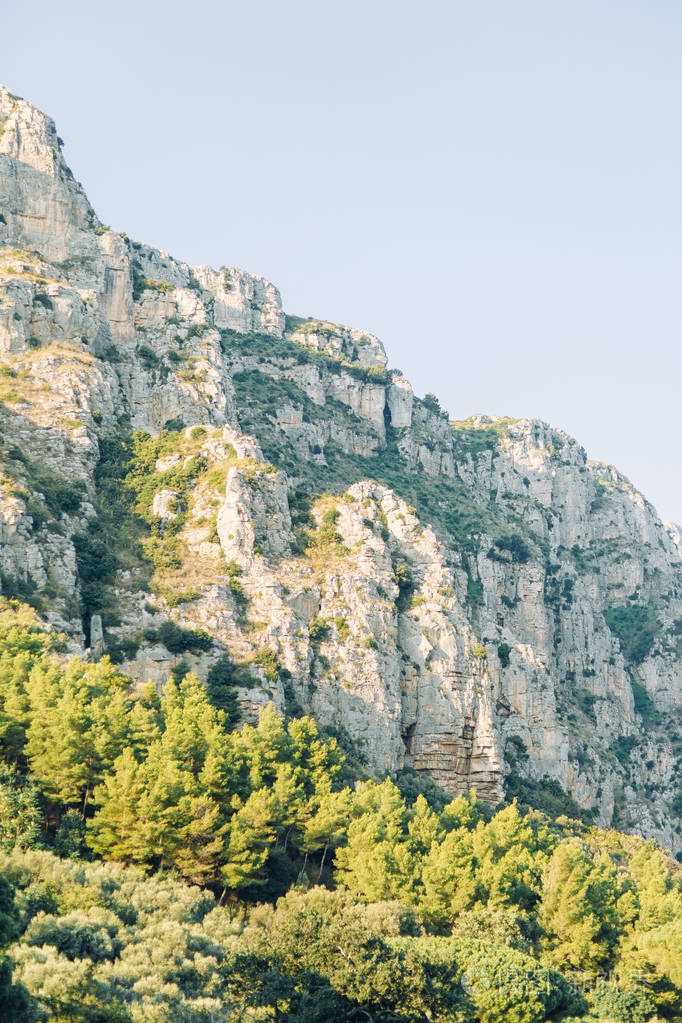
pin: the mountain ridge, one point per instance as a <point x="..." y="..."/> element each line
<point x="475" y="599"/>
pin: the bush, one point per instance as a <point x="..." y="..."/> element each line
<point x="503" y="652"/>
<point x="431" y="402"/>
<point x="16" y="588"/>
<point x="150" y="284"/>
<point x="148" y="357"/>
<point x="60" y="495"/>
<point x="327" y="532"/>
<point x="122" y="648"/>
<point x="175" y="425"/>
<point x="412" y="784"/>
<point x="318" y="630"/>
<point x="96" y="566"/>
<point x="69" y="842"/>
<point x="178" y="640"/>
<point x="474" y="591"/>
<point x="403" y="579"/>
<point x="622" y="747"/>
<point x="20" y="815"/>
<point x="644" y="705"/>
<point x="546" y="795"/>
<point x="504" y="985"/>
<point x="240" y="597"/>
<point x="618" y="1005"/>
<point x="635" y="628"/>
<point x="513" y="545"/>
<point x="220" y="683"/>
<point x="268" y="660"/>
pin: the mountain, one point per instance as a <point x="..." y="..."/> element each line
<point x="189" y="473"/>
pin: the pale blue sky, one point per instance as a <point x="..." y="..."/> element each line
<point x="491" y="187"/>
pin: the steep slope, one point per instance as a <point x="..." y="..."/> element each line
<point x="475" y="599"/>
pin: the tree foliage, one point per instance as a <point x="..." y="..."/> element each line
<point x="393" y="902"/>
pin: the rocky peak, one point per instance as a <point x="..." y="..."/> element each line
<point x="346" y="343"/>
<point x="44" y="208"/>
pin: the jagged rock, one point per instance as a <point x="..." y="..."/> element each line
<point x="400" y="402"/>
<point x="242" y="301"/>
<point x="96" y="636"/>
<point x="164" y="505"/>
<point x="254" y="517"/>
<point x="347" y="343"/>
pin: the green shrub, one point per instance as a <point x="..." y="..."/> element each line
<point x="148" y="357"/>
<point x="96" y="566"/>
<point x="178" y="640"/>
<point x="220" y="683"/>
<point x="622" y="747"/>
<point x="635" y="628"/>
<point x="69" y="841"/>
<point x="513" y="545"/>
<point x="60" y="495"/>
<point x="122" y="648"/>
<point x="515" y="750"/>
<point x="618" y="1005"/>
<point x="327" y="534"/>
<point x="413" y="784"/>
<point x="430" y="401"/>
<point x="342" y="628"/>
<point x="268" y="660"/>
<point x="17" y="588"/>
<point x="503" y="652"/>
<point x="644" y="705"/>
<point x="318" y="630"/>
<point x="545" y="795"/>
<point x="180" y="670"/>
<point x="504" y="985"/>
<point x="474" y="591"/>
<point x="21" y="818"/>
<point x="175" y="425"/>
<point x="150" y="284"/>
<point x="402" y="577"/>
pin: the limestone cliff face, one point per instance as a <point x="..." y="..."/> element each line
<point x="475" y="599"/>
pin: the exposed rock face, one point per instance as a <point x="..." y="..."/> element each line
<point x="243" y="301"/>
<point x="346" y="343"/>
<point x="475" y="599"/>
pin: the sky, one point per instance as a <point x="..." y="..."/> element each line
<point x="492" y="188"/>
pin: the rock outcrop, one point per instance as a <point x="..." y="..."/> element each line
<point x="474" y="599"/>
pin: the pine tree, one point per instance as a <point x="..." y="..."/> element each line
<point x="376" y="862"/>
<point x="198" y="854"/>
<point x="77" y="727"/>
<point x="115" y="831"/>
<point x="325" y="828"/>
<point x="251" y="838"/>
<point x="449" y="878"/>
<point x="579" y="911"/>
<point x="220" y="683"/>
<point x="290" y="806"/>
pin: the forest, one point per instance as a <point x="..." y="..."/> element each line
<point x="159" y="863"/>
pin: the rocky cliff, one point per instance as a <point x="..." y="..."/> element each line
<point x="187" y="473"/>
